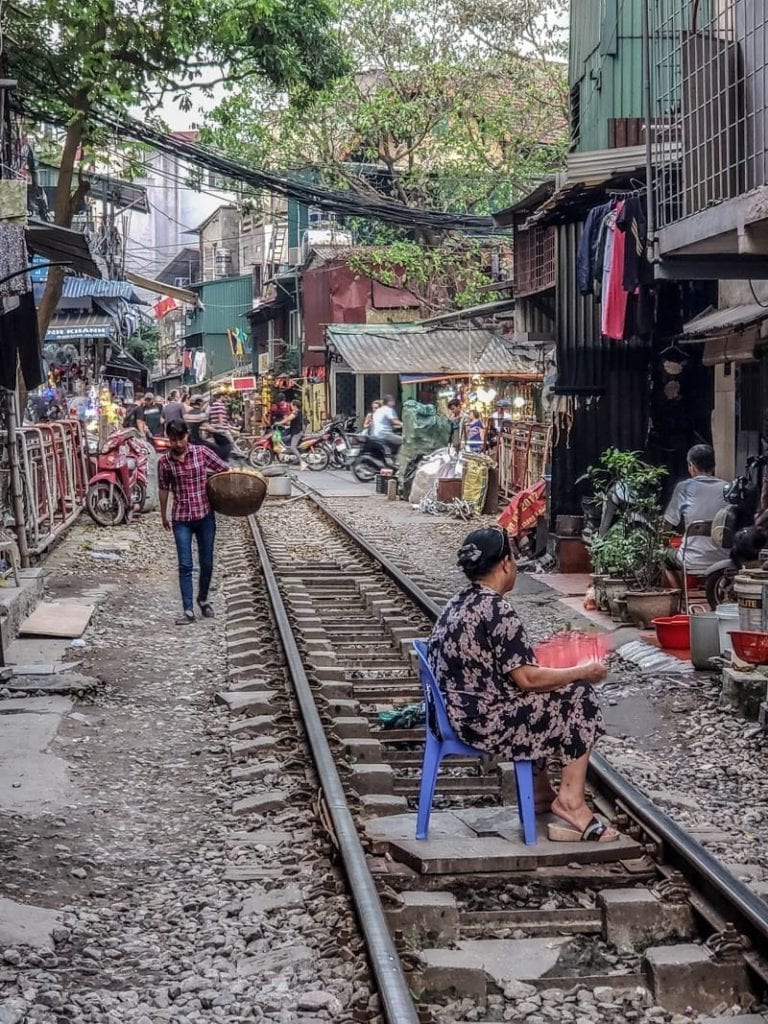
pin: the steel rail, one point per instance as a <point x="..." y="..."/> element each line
<point x="392" y="985"/>
<point x="751" y="910"/>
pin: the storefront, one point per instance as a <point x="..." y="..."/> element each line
<point x="487" y="372"/>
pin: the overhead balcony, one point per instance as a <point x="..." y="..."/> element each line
<point x="710" y="83"/>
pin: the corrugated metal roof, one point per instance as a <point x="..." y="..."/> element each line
<point x="723" y="319"/>
<point x="85" y="287"/>
<point x="394" y="348"/>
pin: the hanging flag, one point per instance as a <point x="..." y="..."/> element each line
<point x="165" y="305"/>
<point x="232" y="339"/>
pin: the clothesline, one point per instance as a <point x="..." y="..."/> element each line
<point x="613" y="265"/>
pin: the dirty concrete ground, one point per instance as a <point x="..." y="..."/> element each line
<point x="123" y="895"/>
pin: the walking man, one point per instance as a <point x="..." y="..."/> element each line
<point x="184" y="472"/>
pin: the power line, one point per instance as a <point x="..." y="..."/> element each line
<point x="332" y="200"/>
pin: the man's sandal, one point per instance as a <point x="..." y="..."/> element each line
<point x="186" y="619"/>
<point x="206" y="609"/>
<point x="595" y="832"/>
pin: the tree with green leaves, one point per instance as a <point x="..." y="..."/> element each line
<point x="73" y="58"/>
<point x="453" y="105"/>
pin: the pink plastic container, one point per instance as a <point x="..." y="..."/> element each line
<point x="564" y="650"/>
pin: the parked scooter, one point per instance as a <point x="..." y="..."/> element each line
<point x="343" y="443"/>
<point x="118" y="482"/>
<point x="733" y="529"/>
<point x="271" y="448"/>
<point x="375" y="455"/>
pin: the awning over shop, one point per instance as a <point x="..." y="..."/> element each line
<point x="83" y="325"/>
<point x="409" y="349"/>
<point x="97" y="288"/>
<point x="160" y="288"/>
<point x="729" y="334"/>
<point x="725" y="321"/>
<point x="59" y="244"/>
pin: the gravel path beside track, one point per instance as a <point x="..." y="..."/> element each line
<point x="176" y="900"/>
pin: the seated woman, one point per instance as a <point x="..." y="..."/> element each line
<point x="498" y="699"/>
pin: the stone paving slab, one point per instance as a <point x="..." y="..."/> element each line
<point x="502" y="960"/>
<point x="22" y="924"/>
<point x="455" y="846"/>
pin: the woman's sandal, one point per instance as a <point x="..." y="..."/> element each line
<point x="186" y="619"/>
<point x="595" y="832"/>
<point x="206" y="609"/>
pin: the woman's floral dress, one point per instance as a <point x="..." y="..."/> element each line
<point x="477" y="641"/>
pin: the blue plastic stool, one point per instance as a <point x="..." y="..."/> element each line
<point x="441" y="741"/>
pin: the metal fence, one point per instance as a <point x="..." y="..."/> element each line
<point x="53" y="460"/>
<point x="709" y="67"/>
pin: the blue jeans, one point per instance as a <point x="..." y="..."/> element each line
<point x="205" y="531"/>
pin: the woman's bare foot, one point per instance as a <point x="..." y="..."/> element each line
<point x="543" y="793"/>
<point x="579" y="818"/>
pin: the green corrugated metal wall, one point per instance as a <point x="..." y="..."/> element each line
<point x="225" y="301"/>
<point x="606" y="59"/>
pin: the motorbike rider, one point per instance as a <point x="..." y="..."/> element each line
<point x="384" y="423"/>
<point x="367" y="422"/>
<point x="293" y="424"/>
<point x="694" y="504"/>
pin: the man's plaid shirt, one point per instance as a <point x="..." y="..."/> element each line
<point x="186" y="480"/>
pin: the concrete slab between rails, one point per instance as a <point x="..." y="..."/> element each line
<point x="687" y="975"/>
<point x="743" y="1018"/>
<point x="472" y="964"/>
<point x="453" y="847"/>
<point x="24" y="925"/>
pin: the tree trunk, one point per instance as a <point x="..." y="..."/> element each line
<point x="63" y="210"/>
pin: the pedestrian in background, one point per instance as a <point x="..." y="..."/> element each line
<point x="173" y="410"/>
<point x="183" y="472"/>
<point x="475" y="432"/>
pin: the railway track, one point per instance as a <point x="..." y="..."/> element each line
<point x="471" y="924"/>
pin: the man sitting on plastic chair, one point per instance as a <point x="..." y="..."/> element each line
<point x="497" y="699"/>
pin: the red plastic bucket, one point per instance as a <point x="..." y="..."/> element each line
<point x="674" y="632"/>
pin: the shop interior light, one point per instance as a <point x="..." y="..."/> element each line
<point x="518" y="401"/>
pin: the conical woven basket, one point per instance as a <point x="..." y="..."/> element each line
<point x="237" y="492"/>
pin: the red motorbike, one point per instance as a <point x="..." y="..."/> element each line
<point x="271" y="447"/>
<point x="118" y="482"/>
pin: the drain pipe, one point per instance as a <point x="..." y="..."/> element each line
<point x="650" y="206"/>
<point x="391" y="981"/>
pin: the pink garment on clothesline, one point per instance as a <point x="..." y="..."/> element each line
<point x="614" y="296"/>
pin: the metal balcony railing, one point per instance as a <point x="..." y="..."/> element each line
<point x="709" y="68"/>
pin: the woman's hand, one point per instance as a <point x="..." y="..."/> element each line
<point x="592" y="671"/>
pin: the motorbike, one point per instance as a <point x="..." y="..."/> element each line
<point x="270" y="448"/>
<point x="118" y="482"/>
<point x="375" y="454"/>
<point x="343" y="443"/>
<point x="733" y="529"/>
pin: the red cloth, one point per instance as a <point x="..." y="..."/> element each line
<point x="186" y="480"/>
<point x="524" y="509"/>
<point x="164" y="306"/>
<point x="615" y="299"/>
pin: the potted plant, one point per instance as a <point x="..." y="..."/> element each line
<point x="615" y="558"/>
<point x="648" y="599"/>
<point x="628" y="552"/>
